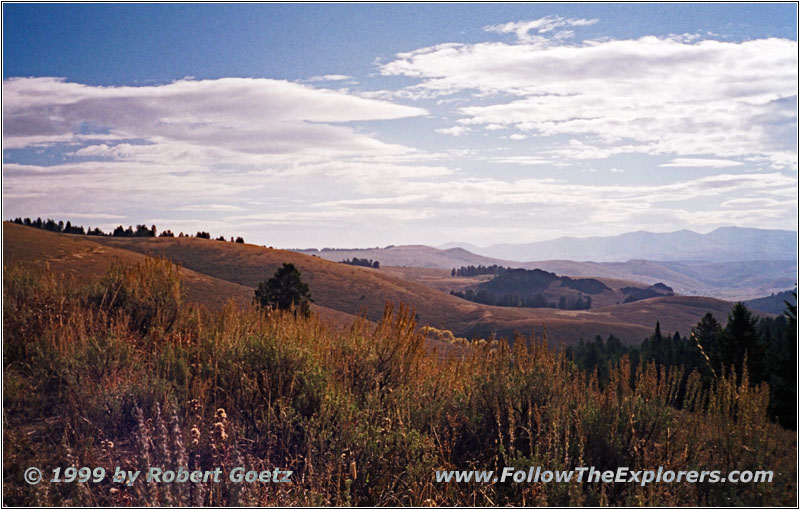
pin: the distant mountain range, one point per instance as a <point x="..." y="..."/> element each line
<point x="724" y="264"/>
<point x="726" y="244"/>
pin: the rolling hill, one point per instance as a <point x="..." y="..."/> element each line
<point x="216" y="271"/>
<point x="83" y="258"/>
<point x="775" y="303"/>
<point x="412" y="255"/>
<point x="732" y="281"/>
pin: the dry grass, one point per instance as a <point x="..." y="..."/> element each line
<point x="357" y="290"/>
<point x="83" y="257"/>
<point x="362" y="416"/>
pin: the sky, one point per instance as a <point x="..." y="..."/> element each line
<point x="360" y="125"/>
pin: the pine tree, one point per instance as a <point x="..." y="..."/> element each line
<point x="741" y="339"/>
<point x="285" y="290"/>
<point x="783" y="379"/>
<point x="708" y="334"/>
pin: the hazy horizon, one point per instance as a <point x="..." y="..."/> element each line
<point x="346" y="125"/>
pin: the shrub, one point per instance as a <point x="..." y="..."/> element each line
<point x="149" y="293"/>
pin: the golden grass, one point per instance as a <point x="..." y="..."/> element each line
<point x="357" y="290"/>
<point x="363" y="416"/>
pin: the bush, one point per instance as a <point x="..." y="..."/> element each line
<point x="149" y="293"/>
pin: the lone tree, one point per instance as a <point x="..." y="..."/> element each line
<point x="285" y="290"/>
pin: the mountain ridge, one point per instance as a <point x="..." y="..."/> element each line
<point x="724" y="244"/>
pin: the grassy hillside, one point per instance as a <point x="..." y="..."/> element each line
<point x="776" y="303"/>
<point x="216" y="271"/>
<point x="357" y="290"/>
<point x="361" y="417"/>
<point x="442" y="280"/>
<point x="82" y="257"/>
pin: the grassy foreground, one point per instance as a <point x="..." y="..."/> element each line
<point x="122" y="373"/>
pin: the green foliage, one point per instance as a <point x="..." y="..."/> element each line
<point x="741" y="342"/>
<point x="120" y="231"/>
<point x="768" y="345"/>
<point x="284" y="291"/>
<point x="355" y="261"/>
<point x="524" y="288"/>
<point x="478" y="270"/>
<point x="782" y="360"/>
<point x="362" y="415"/>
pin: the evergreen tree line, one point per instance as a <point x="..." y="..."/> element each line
<point x="477" y="270"/>
<point x="355" y="261"/>
<point x="515" y="300"/>
<point x="765" y="347"/>
<point x="637" y="294"/>
<point x="120" y="231"/>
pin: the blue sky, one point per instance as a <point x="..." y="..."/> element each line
<point x="363" y="125"/>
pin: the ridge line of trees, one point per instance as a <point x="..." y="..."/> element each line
<point x="478" y="270"/>
<point x="120" y="231"/>
<point x="355" y="261"/>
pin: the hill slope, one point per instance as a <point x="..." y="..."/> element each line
<point x="216" y="270"/>
<point x="82" y="257"/>
<point x="356" y="290"/>
<point x="776" y="303"/>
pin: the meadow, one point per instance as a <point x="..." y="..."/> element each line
<point x="123" y="371"/>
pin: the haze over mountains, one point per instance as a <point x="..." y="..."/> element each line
<point x="725" y="244"/>
<point x="729" y="263"/>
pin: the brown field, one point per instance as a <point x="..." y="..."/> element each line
<point x="85" y="259"/>
<point x="216" y="271"/>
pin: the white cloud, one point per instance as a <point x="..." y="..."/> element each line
<point x="701" y="162"/>
<point x="544" y="25"/>
<point x="518" y="136"/>
<point x="240" y="115"/>
<point x="195" y="146"/>
<point x="762" y="202"/>
<point x="330" y="77"/>
<point x="523" y="160"/>
<point x="83" y="215"/>
<point x="454" y="131"/>
<point x="653" y="95"/>
<point x="374" y="201"/>
<point x="209" y="207"/>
